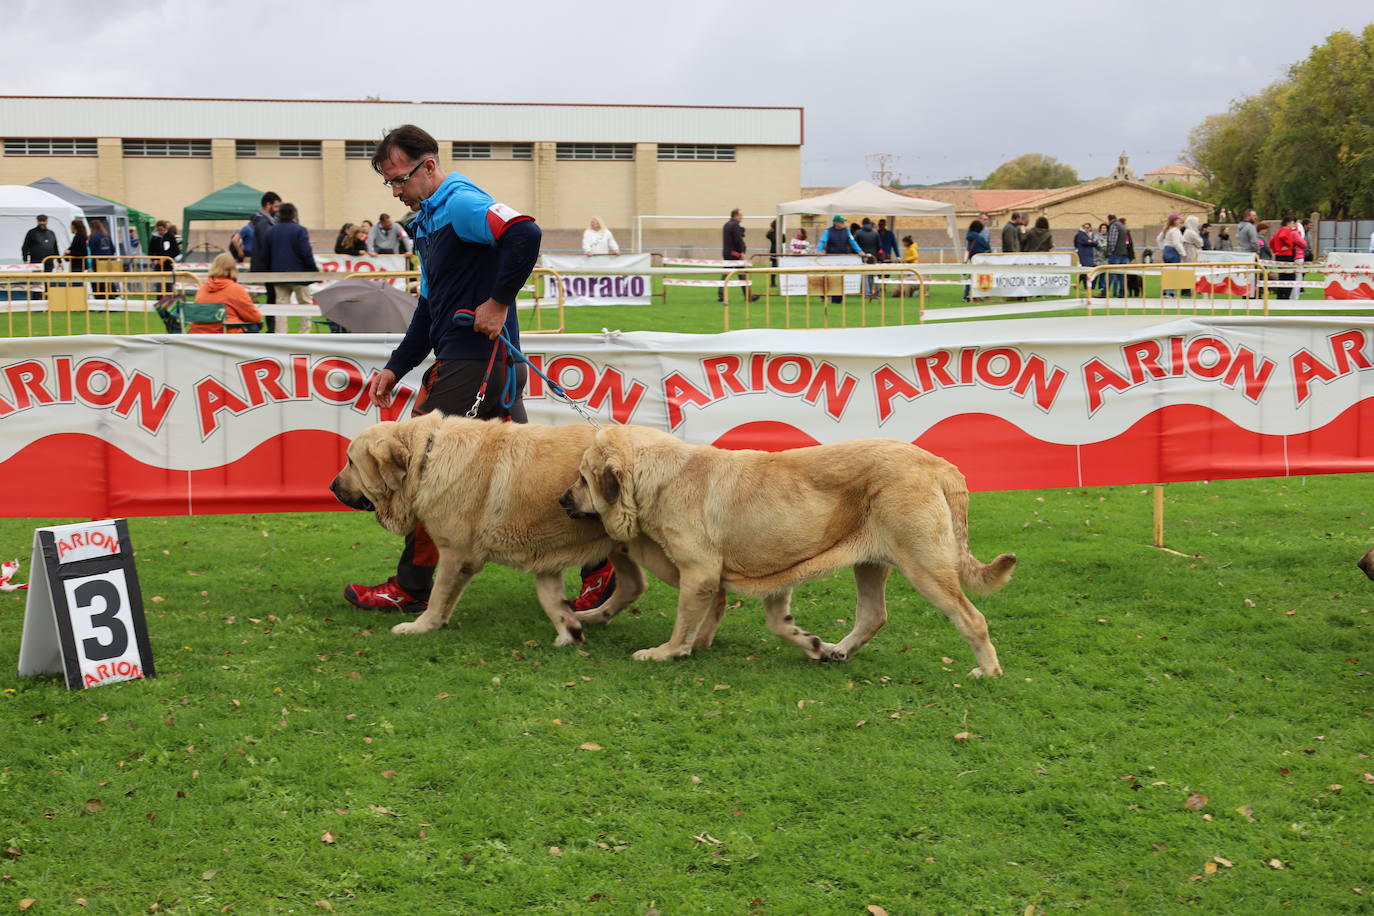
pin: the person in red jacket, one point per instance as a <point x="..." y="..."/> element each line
<point x="1287" y="245"/>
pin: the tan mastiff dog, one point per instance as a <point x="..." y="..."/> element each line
<point x="486" y="491"/>
<point x="760" y="523"/>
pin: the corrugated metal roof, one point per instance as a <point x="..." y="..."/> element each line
<point x="252" y="119"/>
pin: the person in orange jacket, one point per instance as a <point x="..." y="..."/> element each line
<point x="222" y="285"/>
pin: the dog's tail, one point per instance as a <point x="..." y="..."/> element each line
<point x="976" y="576"/>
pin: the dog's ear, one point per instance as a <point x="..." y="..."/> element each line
<point x="609" y="484"/>
<point x="392" y="457"/>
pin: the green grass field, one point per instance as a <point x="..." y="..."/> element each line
<point x="1178" y="731"/>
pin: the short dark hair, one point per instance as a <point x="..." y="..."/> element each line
<point x="1016" y="216"/>
<point x="287" y="213"/>
<point x="1042" y="222"/>
<point x="906" y="240"/>
<point x="270" y="197"/>
<point x="384" y="216"/>
<point x="976" y="226"/>
<point x="734" y="213"/>
<point x="415" y="144"/>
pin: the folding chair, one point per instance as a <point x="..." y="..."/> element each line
<point x="191" y="314"/>
<point x="201" y="313"/>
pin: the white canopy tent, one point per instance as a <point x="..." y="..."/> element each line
<point x="864" y="198"/>
<point x="20" y="206"/>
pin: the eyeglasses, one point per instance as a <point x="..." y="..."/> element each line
<point x="397" y="182"/>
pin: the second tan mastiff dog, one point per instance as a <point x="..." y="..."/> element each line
<point x="760" y="523"/>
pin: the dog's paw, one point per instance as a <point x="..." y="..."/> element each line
<point x="658" y="654"/>
<point x="832" y="653"/>
<point x="570" y="639"/>
<point x="979" y="672"/>
<point x="410" y="626"/>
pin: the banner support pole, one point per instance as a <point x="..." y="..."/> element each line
<point x="1159" y="515"/>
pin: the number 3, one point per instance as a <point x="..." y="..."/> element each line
<point x="103" y="591"/>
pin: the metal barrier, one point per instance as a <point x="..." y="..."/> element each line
<point x="1258" y="278"/>
<point x="117" y="263"/>
<point x="826" y="294"/>
<point x="65" y="293"/>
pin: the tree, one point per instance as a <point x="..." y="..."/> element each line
<point x="1305" y="143"/>
<point x="1320" y="152"/>
<point x="1225" y="148"/>
<point x="1033" y="170"/>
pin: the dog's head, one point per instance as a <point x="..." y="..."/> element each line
<point x="1366" y="563"/>
<point x="605" y="485"/>
<point x="374" y="479"/>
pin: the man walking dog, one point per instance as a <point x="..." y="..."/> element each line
<point x="475" y="254"/>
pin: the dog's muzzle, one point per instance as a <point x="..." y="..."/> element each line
<point x="566" y="501"/>
<point x="359" y="502"/>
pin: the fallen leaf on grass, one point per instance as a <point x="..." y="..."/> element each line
<point x="1274" y="864"/>
<point x="590" y="746"/>
<point x="1196" y="801"/>
<point x="962" y="737"/>
<point x="27" y="902"/>
<point x="381" y="809"/>
<point x="1247" y="812"/>
<point x="94" y="806"/>
<point x="388" y="774"/>
<point x="1220" y="861"/>
<point x="1367" y="777"/>
<point x="328" y="837"/>
<point x="325" y="905"/>
<point x="555" y="851"/>
<point x="207" y="875"/>
<point x="1209" y="868"/>
<point x="876" y="910"/>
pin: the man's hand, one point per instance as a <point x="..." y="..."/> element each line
<point x="490" y="319"/>
<point x="382" y="383"/>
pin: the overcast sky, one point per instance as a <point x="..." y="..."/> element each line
<point x="947" y="88"/>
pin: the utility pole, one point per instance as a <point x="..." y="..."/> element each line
<point x="882" y="173"/>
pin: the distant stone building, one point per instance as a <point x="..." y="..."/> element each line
<point x="1180" y="173"/>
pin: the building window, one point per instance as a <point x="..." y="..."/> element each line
<point x="182" y="149"/>
<point x="522" y="150"/>
<point x="617" y="151"/>
<point x="245" y="149"/>
<point x="359" y="149"/>
<point x="298" y="149"/>
<point x="49" y="146"/>
<point x="471" y="150"/>
<point x="696" y="152"/>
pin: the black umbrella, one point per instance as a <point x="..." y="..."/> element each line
<point x="366" y="306"/>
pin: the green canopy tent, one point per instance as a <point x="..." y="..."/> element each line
<point x="237" y="201"/>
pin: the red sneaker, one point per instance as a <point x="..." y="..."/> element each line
<point x="597" y="586"/>
<point x="385" y="597"/>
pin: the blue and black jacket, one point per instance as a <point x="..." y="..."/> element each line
<point x="471" y="249"/>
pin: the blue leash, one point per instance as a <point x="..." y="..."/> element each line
<point x="510" y="389"/>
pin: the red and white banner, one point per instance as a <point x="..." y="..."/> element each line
<point x="153" y="425"/>
<point x="1233" y="281"/>
<point x="345" y="264"/>
<point x="1349" y="275"/>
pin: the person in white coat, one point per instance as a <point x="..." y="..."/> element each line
<point x="597" y="239"/>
